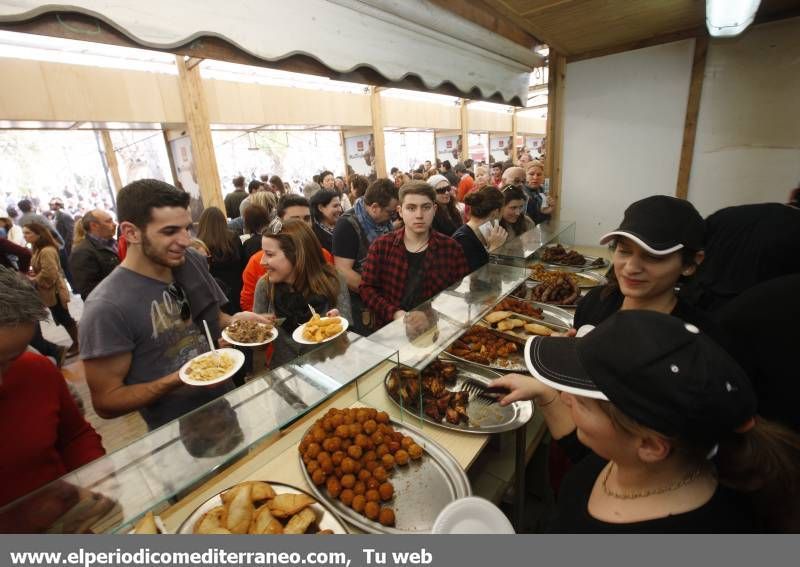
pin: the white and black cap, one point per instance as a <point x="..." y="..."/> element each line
<point x="661" y="225"/>
<point x="660" y="371"/>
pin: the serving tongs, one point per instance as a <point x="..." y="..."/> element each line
<point x="482" y="394"/>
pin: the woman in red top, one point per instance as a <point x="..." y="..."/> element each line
<point x="44" y="434"/>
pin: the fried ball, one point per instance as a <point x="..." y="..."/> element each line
<point x="323" y="456"/>
<point x="386" y="490"/>
<point x="337" y="420"/>
<point x="346" y="443"/>
<point x="370" y="426"/>
<point x="332" y="444"/>
<point x="338" y="457"/>
<point x="387" y="461"/>
<point x="318" y="478"/>
<point x="364" y="474"/>
<point x="370" y="455"/>
<point x="348" y="465"/>
<point x="358" y="502"/>
<point x="349" y="419"/>
<point x="333" y="486"/>
<point x="312" y="466"/>
<point x="381" y="450"/>
<point x="313" y="450"/>
<point x="304" y="443"/>
<point x="382" y="417"/>
<point x="406" y="442"/>
<point x="359" y="487"/>
<point x="415" y="451"/>
<point x="327" y="466"/>
<point x="372" y="510"/>
<point x="318" y="433"/>
<point x="348" y="481"/>
<point x="354" y="451"/>
<point x="372" y="465"/>
<point x="363" y="441"/>
<point x="380" y="474"/>
<point x="346" y="497"/>
<point x="362" y="415"/>
<point x="401" y="457"/>
<point x="342" y="431"/>
<point x="377" y="438"/>
<point x="327" y="425"/>
<point x="386" y="516"/>
<point x="373" y="483"/>
<point x="355" y="429"/>
<point x="394" y="446"/>
<point x="373" y="495"/>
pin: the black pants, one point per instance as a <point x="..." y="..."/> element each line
<point x="43" y="345"/>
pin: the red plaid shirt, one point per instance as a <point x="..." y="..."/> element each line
<point x="383" y="278"/>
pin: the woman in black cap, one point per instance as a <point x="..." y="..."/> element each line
<point x="660" y="423"/>
<point x="659" y="242"/>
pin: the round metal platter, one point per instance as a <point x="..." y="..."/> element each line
<point x="327" y="519"/>
<point x="483" y="417"/>
<point x="586" y="280"/>
<point x="422" y="489"/>
<point x="588" y="265"/>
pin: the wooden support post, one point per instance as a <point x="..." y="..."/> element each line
<point x="377" y="131"/>
<point x="344" y="156"/>
<point x="514" y="152"/>
<point x="111" y="160"/>
<point x="555" y="125"/>
<point x="690" y="123"/>
<point x="464" y="130"/>
<point x="195" y="110"/>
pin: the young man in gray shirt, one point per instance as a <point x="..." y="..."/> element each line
<point x="144" y="321"/>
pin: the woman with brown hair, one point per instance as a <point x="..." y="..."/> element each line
<point x="512" y="216"/>
<point x="226" y="255"/>
<point x="447" y="218"/>
<point x="48" y="278"/>
<point x="482" y="233"/>
<point x="277" y="186"/>
<point x="297" y="277"/>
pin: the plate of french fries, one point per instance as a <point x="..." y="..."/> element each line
<point x="262" y="508"/>
<point x="320" y="329"/>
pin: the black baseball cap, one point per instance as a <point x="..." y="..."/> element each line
<point x="662" y="372"/>
<point x="661" y="225"/>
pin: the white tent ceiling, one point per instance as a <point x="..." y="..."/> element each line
<point x="396" y="38"/>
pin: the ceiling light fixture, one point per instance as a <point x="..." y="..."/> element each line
<point x="728" y="18"/>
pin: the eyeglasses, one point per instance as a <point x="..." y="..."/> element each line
<point x="442" y="190"/>
<point x="176" y="292"/>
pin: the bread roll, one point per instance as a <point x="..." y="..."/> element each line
<point x="536" y="329"/>
<point x="498" y="316"/>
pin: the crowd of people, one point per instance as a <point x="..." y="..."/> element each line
<point x="664" y="421"/>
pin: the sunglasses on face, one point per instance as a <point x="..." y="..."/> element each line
<point x="176" y="292"/>
<point x="442" y="190"/>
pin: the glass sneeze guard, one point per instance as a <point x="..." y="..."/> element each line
<point x="111" y="493"/>
<point x="518" y="251"/>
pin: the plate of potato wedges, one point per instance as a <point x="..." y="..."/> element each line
<point x="263" y="508"/>
<point x="320" y="330"/>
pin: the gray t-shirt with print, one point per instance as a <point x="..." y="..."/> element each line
<point x="129" y="312"/>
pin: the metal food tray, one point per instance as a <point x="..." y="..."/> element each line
<point x="515" y="357"/>
<point x="522" y="292"/>
<point x="587" y="265"/>
<point x="492" y="418"/>
<point x="327" y="518"/>
<point x="593" y="277"/>
<point x="554" y="318"/>
<point x="422" y="489"/>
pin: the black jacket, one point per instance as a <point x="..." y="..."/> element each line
<point x="90" y="264"/>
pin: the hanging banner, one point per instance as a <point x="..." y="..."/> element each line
<point x="186" y="171"/>
<point x="361" y="153"/>
<point x="448" y="148"/>
<point x="534" y="145"/>
<point x="500" y="147"/>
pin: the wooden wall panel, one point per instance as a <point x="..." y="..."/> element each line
<point x="488" y="121"/>
<point x="398" y="112"/>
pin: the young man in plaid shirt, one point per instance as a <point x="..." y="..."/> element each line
<point x="409" y="266"/>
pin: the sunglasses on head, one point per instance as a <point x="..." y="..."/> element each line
<point x="176" y="292"/>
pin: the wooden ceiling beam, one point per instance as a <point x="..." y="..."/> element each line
<point x="486" y="16"/>
<point x="640" y="44"/>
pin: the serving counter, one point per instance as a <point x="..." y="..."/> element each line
<point x="253" y="432"/>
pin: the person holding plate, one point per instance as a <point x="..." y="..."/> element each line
<point x="144" y="321"/>
<point x="297" y="277"/>
<point x="661" y="426"/>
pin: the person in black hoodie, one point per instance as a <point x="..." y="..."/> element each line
<point x="226" y="255"/>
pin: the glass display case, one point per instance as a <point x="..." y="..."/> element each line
<point x="519" y="251"/>
<point x="159" y="469"/>
<point x="111" y="493"/>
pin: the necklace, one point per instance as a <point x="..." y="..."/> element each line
<point x="688" y="479"/>
<point x="420" y="247"/>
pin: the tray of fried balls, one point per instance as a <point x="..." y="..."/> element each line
<point x="449" y="395"/>
<point x="263" y="508"/>
<point x="380" y="475"/>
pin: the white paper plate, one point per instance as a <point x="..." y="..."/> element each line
<point x="298" y="334"/>
<point x="472" y="515"/>
<point x="238" y="361"/>
<point x="326" y="517"/>
<point x="271" y="338"/>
